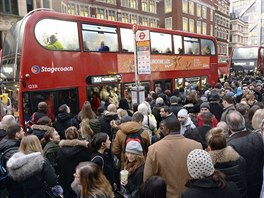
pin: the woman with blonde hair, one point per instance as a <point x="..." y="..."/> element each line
<point x="30" y="169"/>
<point x="93" y="182"/>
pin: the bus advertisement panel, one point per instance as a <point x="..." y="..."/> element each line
<point x="60" y="58"/>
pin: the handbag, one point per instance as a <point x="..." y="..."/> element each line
<point x="50" y="194"/>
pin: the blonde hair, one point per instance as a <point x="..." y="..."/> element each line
<point x="257" y="119"/>
<point x="71" y="133"/>
<point x="30" y="144"/>
<point x="85" y="129"/>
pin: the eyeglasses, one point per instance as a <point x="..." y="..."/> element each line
<point x="75" y="175"/>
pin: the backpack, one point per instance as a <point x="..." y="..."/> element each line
<point x="4" y="176"/>
<point x="135" y="137"/>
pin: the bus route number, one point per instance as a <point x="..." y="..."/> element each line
<point x="33" y="86"/>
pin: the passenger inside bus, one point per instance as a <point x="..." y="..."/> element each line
<point x="54" y="43"/>
<point x="206" y="50"/>
<point x="103" y="47"/>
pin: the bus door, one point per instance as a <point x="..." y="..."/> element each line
<point x="54" y="99"/>
<point x="163" y="84"/>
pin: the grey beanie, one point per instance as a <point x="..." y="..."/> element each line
<point x="174" y="100"/>
<point x="134" y="147"/>
<point x="199" y="164"/>
<point x="205" y="105"/>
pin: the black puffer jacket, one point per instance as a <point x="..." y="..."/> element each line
<point x="65" y="120"/>
<point x="105" y="123"/>
<point x="250" y="146"/>
<point x="207" y="188"/>
<point x="71" y="153"/>
<point x="11" y="145"/>
<point x="233" y="165"/>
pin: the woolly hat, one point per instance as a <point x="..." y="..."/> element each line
<point x="134" y="147"/>
<point x="199" y="164"/>
<point x="183" y="113"/>
<point x="142" y="108"/>
<point x="205" y="105"/>
<point x="214" y="97"/>
<point x="174" y="100"/>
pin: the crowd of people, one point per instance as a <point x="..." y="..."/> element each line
<point x="183" y="144"/>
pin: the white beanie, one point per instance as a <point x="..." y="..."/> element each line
<point x="199" y="164"/>
<point x="134" y="147"/>
<point x="142" y="108"/>
<point x="183" y="113"/>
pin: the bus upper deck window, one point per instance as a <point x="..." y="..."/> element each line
<point x="99" y="38"/>
<point x="207" y="47"/>
<point x="52" y="34"/>
<point x="127" y="40"/>
<point x="177" y="41"/>
<point x="160" y="43"/>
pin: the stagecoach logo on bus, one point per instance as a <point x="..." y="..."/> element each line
<point x="44" y="69"/>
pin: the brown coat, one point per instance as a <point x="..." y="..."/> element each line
<point x="168" y="158"/>
<point x="120" y="138"/>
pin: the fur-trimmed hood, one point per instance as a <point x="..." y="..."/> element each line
<point x="71" y="148"/>
<point x="40" y="127"/>
<point x="227" y="154"/>
<point x="21" y="166"/>
<point x="74" y="142"/>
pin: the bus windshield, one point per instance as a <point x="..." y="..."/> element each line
<point x="245" y="53"/>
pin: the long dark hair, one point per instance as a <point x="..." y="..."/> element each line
<point x="154" y="187"/>
<point x="97" y="140"/>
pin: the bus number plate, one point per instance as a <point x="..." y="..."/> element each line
<point x="33" y="86"/>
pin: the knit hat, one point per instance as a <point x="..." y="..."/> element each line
<point x="205" y="105"/>
<point x="134" y="147"/>
<point x="199" y="164"/>
<point x="174" y="100"/>
<point x="183" y="113"/>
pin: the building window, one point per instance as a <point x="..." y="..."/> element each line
<point x="168" y="6"/>
<point x="125" y="18"/>
<point x="212" y="15"/>
<point x="111" y="15"/>
<point x="134" y="19"/>
<point x="125" y="3"/>
<point x="111" y="2"/>
<point x="184" y="6"/>
<point x="191" y="7"/>
<point x="152" y="23"/>
<point x="168" y="23"/>
<point x="152" y="6"/>
<point x="191" y="25"/>
<point x="145" y="21"/>
<point x="144" y="5"/>
<point x="198" y="27"/>
<point x="211" y="30"/>
<point x="204" y="28"/>
<point x="198" y="10"/>
<point x="63" y="8"/>
<point x="204" y="12"/>
<point x="71" y="8"/>
<point x="100" y="13"/>
<point x="185" y="24"/>
<point x="46" y="3"/>
<point x="133" y="4"/>
<point x="84" y="10"/>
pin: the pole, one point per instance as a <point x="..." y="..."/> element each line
<point x="135" y="28"/>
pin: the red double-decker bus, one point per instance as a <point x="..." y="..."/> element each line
<point x="60" y="58"/>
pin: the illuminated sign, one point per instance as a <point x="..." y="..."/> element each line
<point x="103" y="79"/>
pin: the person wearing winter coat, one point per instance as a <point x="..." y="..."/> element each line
<point x="227" y="160"/>
<point x="64" y="120"/>
<point x="206" y="182"/>
<point x="72" y="152"/>
<point x="100" y="145"/>
<point x="30" y="169"/>
<point x="185" y="121"/>
<point x="134" y="163"/>
<point x="50" y="144"/>
<point x="40" y="128"/>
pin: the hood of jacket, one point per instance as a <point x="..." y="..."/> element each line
<point x="40" y="127"/>
<point x="108" y="116"/>
<point x="71" y="147"/>
<point x="64" y="116"/>
<point x="130" y="127"/>
<point x="188" y="122"/>
<point x="227" y="154"/>
<point x="205" y="183"/>
<point x="21" y="166"/>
